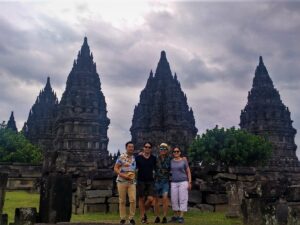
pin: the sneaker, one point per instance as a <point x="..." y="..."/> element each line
<point x="180" y="220"/>
<point x="157" y="220"/>
<point x="144" y="219"/>
<point x="122" y="221"/>
<point x="164" y="220"/>
<point x="174" y="219"/>
<point x="132" y="222"/>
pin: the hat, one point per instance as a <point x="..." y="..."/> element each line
<point x="164" y="145"/>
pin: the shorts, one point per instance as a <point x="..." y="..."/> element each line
<point x="145" y="189"/>
<point x="162" y="188"/>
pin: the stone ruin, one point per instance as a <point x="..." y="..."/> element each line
<point x="3" y="183"/>
<point x="257" y="195"/>
<point x="77" y="172"/>
<point x="163" y="115"/>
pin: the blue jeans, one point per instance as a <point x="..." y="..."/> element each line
<point x="162" y="188"/>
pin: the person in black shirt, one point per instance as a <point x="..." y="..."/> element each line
<point x="145" y="164"/>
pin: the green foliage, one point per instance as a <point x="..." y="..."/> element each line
<point x="230" y="147"/>
<point x="14" y="147"/>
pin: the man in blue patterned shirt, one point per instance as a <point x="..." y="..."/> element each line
<point x="162" y="177"/>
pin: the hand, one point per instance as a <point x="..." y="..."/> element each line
<point x="190" y="186"/>
<point x="125" y="176"/>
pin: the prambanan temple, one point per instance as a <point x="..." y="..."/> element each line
<point x="266" y="115"/>
<point x="77" y="125"/>
<point x="163" y="114"/>
<point x="77" y="170"/>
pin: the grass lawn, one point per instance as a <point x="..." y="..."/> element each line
<point x="17" y="199"/>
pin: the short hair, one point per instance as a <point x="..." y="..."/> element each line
<point x="148" y="142"/>
<point x="128" y="143"/>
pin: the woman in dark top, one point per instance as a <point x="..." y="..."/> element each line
<point x="181" y="182"/>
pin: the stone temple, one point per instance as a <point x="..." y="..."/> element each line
<point x="81" y="124"/>
<point x="40" y="123"/>
<point x="11" y="124"/>
<point x="266" y="115"/>
<point x="163" y="114"/>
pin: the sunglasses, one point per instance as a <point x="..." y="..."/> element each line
<point x="176" y="151"/>
<point x="147" y="146"/>
<point x="163" y="149"/>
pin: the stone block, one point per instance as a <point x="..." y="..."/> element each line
<point x="3" y="219"/>
<point x="56" y="198"/>
<point x="242" y="170"/>
<point x="112" y="207"/>
<point x="205" y="207"/>
<point x="225" y="176"/>
<point x="102" y="184"/>
<point x="3" y="183"/>
<point x="248" y="178"/>
<point x="98" y="193"/>
<point x="95" y="208"/>
<point x="25" y="216"/>
<point x="293" y="193"/>
<point x="113" y="200"/>
<point x="94" y="200"/>
<point x="215" y="199"/>
<point x="195" y="197"/>
<point x="221" y="208"/>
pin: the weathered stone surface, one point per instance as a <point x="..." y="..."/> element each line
<point x="195" y="197"/>
<point x="251" y="209"/>
<point x="94" y="200"/>
<point x="102" y="184"/>
<point x="240" y="170"/>
<point x="293" y="193"/>
<point x="81" y="123"/>
<point x="3" y="219"/>
<point x="113" y="200"/>
<point x="221" y="208"/>
<point x="162" y="114"/>
<point x="3" y="183"/>
<point x="25" y="216"/>
<point x="39" y="126"/>
<point x="235" y="194"/>
<point x="246" y="178"/>
<point x="98" y="193"/>
<point x="205" y="207"/>
<point x="216" y="199"/>
<point x="266" y="115"/>
<point x="95" y="208"/>
<point x="225" y="176"/>
<point x="56" y="198"/>
<point x="112" y="207"/>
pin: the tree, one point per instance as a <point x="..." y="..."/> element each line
<point x="230" y="147"/>
<point x="14" y="147"/>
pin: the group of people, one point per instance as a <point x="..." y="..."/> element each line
<point x="149" y="177"/>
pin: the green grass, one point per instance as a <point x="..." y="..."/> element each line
<point x="17" y="199"/>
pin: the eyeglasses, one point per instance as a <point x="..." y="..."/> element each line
<point x="163" y="149"/>
<point x="176" y="151"/>
<point x="147" y="146"/>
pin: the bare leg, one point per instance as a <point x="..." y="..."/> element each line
<point x="148" y="203"/>
<point x="156" y="206"/>
<point x="165" y="205"/>
<point x="142" y="206"/>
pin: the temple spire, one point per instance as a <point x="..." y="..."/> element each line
<point x="48" y="84"/>
<point x="84" y="58"/>
<point x="262" y="78"/>
<point x="266" y="115"/>
<point x="11" y="124"/>
<point x="163" y="68"/>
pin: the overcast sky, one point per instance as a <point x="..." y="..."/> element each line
<point x="213" y="48"/>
